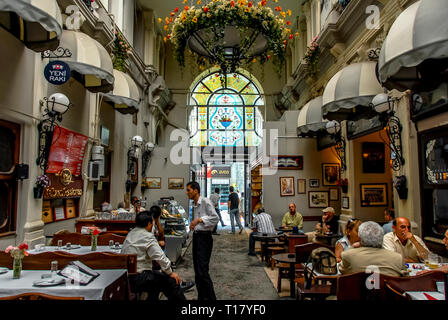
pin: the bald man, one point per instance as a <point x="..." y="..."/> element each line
<point x="292" y="218"/>
<point x="403" y="241"/>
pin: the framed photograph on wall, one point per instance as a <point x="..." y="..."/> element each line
<point x="345" y="203"/>
<point x="373" y="157"/>
<point x="175" y="183"/>
<point x="373" y="195"/>
<point x="330" y="174"/>
<point x="287" y="186"/>
<point x="154" y="182"/>
<point x="286" y="162"/>
<point x="301" y="186"/>
<point x="334" y="194"/>
<point x="318" y="199"/>
<point x="59" y="213"/>
<point x="314" y="183"/>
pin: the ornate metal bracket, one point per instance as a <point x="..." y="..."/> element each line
<point x="59" y="53"/>
<point x="340" y="151"/>
<point x="46" y="129"/>
<point x="146" y="156"/>
<point x="393" y="131"/>
<point x="374" y="54"/>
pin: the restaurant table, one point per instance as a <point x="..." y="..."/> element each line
<point x="109" y="285"/>
<point x="284" y="229"/>
<point x="265" y="238"/>
<point x="291" y="259"/>
<point x="413" y="268"/>
<point x="425" y="295"/>
<point x="80" y="250"/>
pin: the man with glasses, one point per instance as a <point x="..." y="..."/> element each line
<point x="403" y="241"/>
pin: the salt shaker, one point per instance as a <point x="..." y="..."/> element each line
<point x="111" y="243"/>
<point x="59" y="243"/>
<point x="54" y="268"/>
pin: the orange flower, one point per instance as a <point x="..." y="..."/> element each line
<point x="171" y="19"/>
<point x="186" y="8"/>
<point x="164" y="39"/>
<point x="291" y="36"/>
<point x="206" y="9"/>
<point x="194" y="19"/>
<point x="297" y="34"/>
<point x="263" y="3"/>
<point x="283" y="14"/>
<point x="278" y="8"/>
<point x="172" y="13"/>
<point x="250" y="4"/>
<point x="199" y="1"/>
<point x="288" y="23"/>
<point x="289" y="12"/>
<point x="160" y="20"/>
<point x="232" y="3"/>
<point x="185" y="1"/>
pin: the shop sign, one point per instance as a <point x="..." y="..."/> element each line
<point x="57" y="72"/>
<point x="63" y="186"/>
<point x="67" y="151"/>
<point x="220" y="172"/>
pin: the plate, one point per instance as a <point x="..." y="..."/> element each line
<point x="48" y="282"/>
<point x="73" y="246"/>
<point x="3" y="270"/>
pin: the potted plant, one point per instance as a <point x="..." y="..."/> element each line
<point x="343" y="183"/>
<point x="42" y="182"/>
<point x="400" y="184"/>
<point x="312" y="57"/>
<point x="17" y="253"/>
<point x="94" y="232"/>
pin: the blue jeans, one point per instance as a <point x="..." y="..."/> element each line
<point x="252" y="242"/>
<point x="235" y="214"/>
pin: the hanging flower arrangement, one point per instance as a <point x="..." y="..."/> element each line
<point x="121" y="53"/>
<point x="247" y="17"/>
<point x="312" y="56"/>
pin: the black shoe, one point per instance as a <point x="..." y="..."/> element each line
<point x="187" y="285"/>
<point x="251" y="254"/>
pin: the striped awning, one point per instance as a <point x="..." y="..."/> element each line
<point x="348" y="94"/>
<point x="125" y="95"/>
<point x="90" y="63"/>
<point x="310" y="118"/>
<point x="418" y="35"/>
<point x="37" y="23"/>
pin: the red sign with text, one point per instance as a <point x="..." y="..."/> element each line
<point x="67" y="151"/>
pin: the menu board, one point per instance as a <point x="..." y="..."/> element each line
<point x="67" y="151"/>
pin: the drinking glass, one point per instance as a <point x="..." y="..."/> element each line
<point x="111" y="243"/>
<point x="433" y="260"/>
<point x="54" y="266"/>
<point x="59" y="243"/>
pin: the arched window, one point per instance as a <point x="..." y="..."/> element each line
<point x="225" y="111"/>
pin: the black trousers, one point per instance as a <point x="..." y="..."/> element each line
<point x="155" y="282"/>
<point x="202" y="251"/>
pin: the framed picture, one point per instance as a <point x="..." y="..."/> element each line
<point x="373" y="195"/>
<point x="59" y="213"/>
<point x="154" y="183"/>
<point x="334" y="194"/>
<point x="314" y="183"/>
<point x="318" y="199"/>
<point x="330" y="174"/>
<point x="345" y="203"/>
<point x="175" y="183"/>
<point x="286" y="162"/>
<point x="287" y="186"/>
<point x="373" y="159"/>
<point x="301" y="186"/>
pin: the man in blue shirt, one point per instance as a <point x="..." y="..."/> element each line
<point x="389" y="216"/>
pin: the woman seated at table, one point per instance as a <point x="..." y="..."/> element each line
<point x="350" y="239"/>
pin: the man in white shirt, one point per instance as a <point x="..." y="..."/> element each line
<point x="262" y="223"/>
<point x="214" y="198"/>
<point x="403" y="241"/>
<point x="204" y="220"/>
<point x="141" y="241"/>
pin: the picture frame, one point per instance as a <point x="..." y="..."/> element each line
<point x="330" y="174"/>
<point x="175" y="183"/>
<point x="287" y="186"/>
<point x="373" y="157"/>
<point x="314" y="183"/>
<point x="301" y="186"/>
<point x="59" y="213"/>
<point x="345" y="203"/>
<point x="154" y="182"/>
<point x="374" y="195"/>
<point x="334" y="194"/>
<point x="286" y="162"/>
<point x="318" y="199"/>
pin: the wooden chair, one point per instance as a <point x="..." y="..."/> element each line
<point x="38" y="296"/>
<point x="85" y="239"/>
<point x="397" y="286"/>
<point x="362" y="286"/>
<point x="94" y="260"/>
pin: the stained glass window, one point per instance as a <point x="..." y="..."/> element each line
<point x="225" y="112"/>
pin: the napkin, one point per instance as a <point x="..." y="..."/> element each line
<point x="428" y="296"/>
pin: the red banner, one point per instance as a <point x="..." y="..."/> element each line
<point x="67" y="151"/>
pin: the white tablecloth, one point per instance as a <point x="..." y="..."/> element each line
<point x="419" y="295"/>
<point x="81" y="250"/>
<point x="93" y="291"/>
<point x="413" y="268"/>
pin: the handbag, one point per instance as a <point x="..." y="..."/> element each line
<point x="323" y="261"/>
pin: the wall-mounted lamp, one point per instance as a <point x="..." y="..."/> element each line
<point x="55" y="106"/>
<point x="384" y="105"/>
<point x="334" y="129"/>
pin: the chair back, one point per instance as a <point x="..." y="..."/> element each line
<point x="94" y="260"/>
<point x="294" y="240"/>
<point x="362" y="286"/>
<point x="303" y="251"/>
<point x="85" y="239"/>
<point x="38" y="296"/>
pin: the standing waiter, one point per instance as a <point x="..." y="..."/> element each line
<point x="204" y="220"/>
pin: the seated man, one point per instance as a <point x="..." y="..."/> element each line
<point x="403" y="241"/>
<point x="262" y="223"/>
<point x="330" y="222"/>
<point x="141" y="241"/>
<point x="371" y="253"/>
<point x="120" y="208"/>
<point x="136" y="206"/>
<point x="389" y="216"/>
<point x="292" y="218"/>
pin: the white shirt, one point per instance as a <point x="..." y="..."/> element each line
<point x="141" y="242"/>
<point x="214" y="198"/>
<point x="205" y="210"/>
<point x="408" y="251"/>
<point x="263" y="223"/>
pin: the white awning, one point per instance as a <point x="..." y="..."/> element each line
<point x="415" y="52"/>
<point x="125" y="95"/>
<point x="37" y="23"/>
<point x="348" y="94"/>
<point x="310" y="119"/>
<point x="90" y="63"/>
